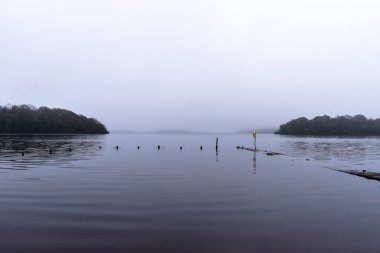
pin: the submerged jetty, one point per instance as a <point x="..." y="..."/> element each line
<point x="362" y="173"/>
<point x="267" y="152"/>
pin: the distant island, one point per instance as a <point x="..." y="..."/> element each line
<point x="27" y="119"/>
<point x="357" y="125"/>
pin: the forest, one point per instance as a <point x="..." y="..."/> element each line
<point x="27" y="119"/>
<point x="357" y="125"/>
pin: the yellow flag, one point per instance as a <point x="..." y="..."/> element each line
<point x="254" y="134"/>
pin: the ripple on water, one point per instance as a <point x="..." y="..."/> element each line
<point x="36" y="150"/>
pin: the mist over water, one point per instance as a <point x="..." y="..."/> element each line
<point x="204" y="65"/>
<point x="189" y="200"/>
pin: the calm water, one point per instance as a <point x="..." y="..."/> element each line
<point x="171" y="200"/>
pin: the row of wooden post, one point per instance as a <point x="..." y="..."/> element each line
<point x="159" y="146"/>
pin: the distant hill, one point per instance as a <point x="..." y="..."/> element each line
<point x="261" y="131"/>
<point x="27" y="119"/>
<point x="357" y="125"/>
<point x="173" y="131"/>
<point x="122" y="131"/>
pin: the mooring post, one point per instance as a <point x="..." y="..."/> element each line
<point x="22" y="154"/>
<point x="201" y="147"/>
<point x="180" y="147"/>
<point x="216" y="146"/>
<point x="158" y="147"/>
<point x="50" y="151"/>
<point x="138" y="147"/>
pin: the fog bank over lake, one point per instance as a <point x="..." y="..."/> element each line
<point x="214" y="66"/>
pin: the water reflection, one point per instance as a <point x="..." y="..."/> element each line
<point x="21" y="152"/>
<point x="324" y="149"/>
<point x="138" y="200"/>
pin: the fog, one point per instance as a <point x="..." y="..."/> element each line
<point x="209" y="65"/>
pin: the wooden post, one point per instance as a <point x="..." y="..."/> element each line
<point x="216" y="146"/>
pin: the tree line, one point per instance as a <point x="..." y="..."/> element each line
<point x="357" y="125"/>
<point x="27" y="119"/>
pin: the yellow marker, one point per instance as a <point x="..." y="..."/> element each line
<point x="254" y="137"/>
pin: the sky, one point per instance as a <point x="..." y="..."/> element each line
<point x="201" y="65"/>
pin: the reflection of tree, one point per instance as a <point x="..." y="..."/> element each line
<point x="65" y="149"/>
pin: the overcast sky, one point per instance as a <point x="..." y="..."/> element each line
<point x="205" y="65"/>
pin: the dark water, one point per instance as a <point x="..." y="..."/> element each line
<point x="168" y="200"/>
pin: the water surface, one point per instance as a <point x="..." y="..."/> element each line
<point x="96" y="199"/>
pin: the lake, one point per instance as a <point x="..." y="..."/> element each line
<point x="97" y="198"/>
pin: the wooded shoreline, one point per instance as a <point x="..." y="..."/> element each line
<point x="27" y="119"/>
<point x="354" y="126"/>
